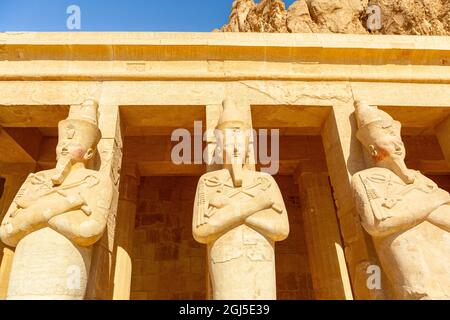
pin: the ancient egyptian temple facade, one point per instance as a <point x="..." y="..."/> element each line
<point x="135" y="231"/>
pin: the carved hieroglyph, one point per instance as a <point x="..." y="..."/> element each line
<point x="58" y="215"/>
<point x="406" y="213"/>
<point x="239" y="214"/>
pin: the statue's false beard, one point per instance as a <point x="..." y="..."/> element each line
<point x="236" y="174"/>
<point x="62" y="170"/>
<point x="236" y="171"/>
<point x="398" y="166"/>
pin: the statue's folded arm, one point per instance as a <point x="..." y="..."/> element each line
<point x="441" y="217"/>
<point x="227" y="217"/>
<point x="269" y="222"/>
<point x="62" y="213"/>
<point x="83" y="229"/>
<point x="402" y="216"/>
<point x="19" y="222"/>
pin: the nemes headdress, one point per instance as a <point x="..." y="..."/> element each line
<point x="232" y="117"/>
<point x="373" y="122"/>
<point x="82" y="124"/>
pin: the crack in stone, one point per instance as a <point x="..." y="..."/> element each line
<point x="289" y="99"/>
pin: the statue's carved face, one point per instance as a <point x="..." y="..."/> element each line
<point x="234" y="144"/>
<point x="71" y="146"/>
<point x="388" y="151"/>
<point x="388" y="145"/>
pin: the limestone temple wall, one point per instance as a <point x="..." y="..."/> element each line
<point x="168" y="262"/>
<point x="147" y="85"/>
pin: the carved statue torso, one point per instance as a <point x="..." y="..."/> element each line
<point x="240" y="241"/>
<point x="59" y="214"/>
<point x="40" y="204"/>
<point x="54" y="228"/>
<point x="242" y="259"/>
<point x="414" y="254"/>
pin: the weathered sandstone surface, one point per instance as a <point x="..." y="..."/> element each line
<point x="405" y="17"/>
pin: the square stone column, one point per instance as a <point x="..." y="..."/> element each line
<point x="443" y="135"/>
<point x="325" y="251"/>
<point x="109" y="159"/>
<point x="345" y="157"/>
<point x="125" y="224"/>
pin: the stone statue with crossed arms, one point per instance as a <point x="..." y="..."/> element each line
<point x="58" y="215"/>
<point x="406" y="213"/>
<point x="239" y="214"/>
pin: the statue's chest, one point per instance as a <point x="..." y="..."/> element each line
<point x="76" y="182"/>
<point x="39" y="186"/>
<point x="223" y="186"/>
<point x="389" y="186"/>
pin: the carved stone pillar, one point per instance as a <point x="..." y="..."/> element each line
<point x="443" y="135"/>
<point x="101" y="281"/>
<point x="213" y="112"/>
<point x="239" y="226"/>
<point x="11" y="187"/>
<point x="345" y="157"/>
<point x="125" y="223"/>
<point x="59" y="214"/>
<point x="325" y="252"/>
<point x="405" y="212"/>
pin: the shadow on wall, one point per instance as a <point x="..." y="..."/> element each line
<point x="2" y="186"/>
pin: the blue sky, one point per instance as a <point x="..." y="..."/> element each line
<point x="116" y="15"/>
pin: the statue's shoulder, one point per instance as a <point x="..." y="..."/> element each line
<point x="375" y="174"/>
<point x="259" y="174"/>
<point x="95" y="173"/>
<point x="419" y="175"/>
<point x="373" y="182"/>
<point x="40" y="176"/>
<point x="214" y="174"/>
<point x="96" y="179"/>
<point x="44" y="173"/>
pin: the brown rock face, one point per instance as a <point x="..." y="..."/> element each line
<point x="266" y="16"/>
<point x="408" y="17"/>
<point x="298" y="18"/>
<point x="424" y="17"/>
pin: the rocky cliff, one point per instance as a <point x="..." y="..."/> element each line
<point x="408" y="17"/>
